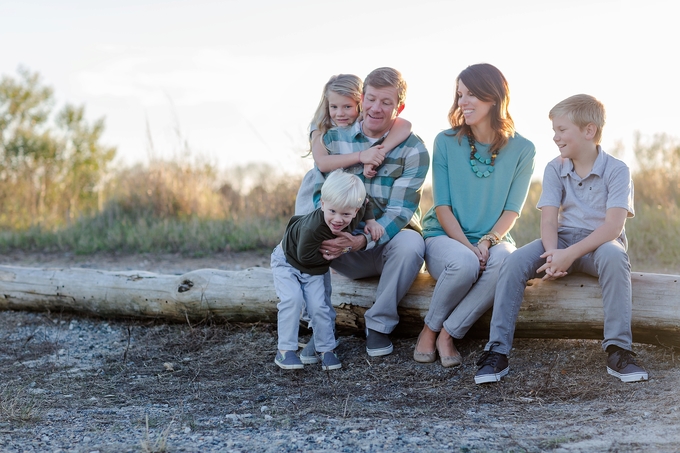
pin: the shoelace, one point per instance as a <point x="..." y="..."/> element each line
<point x="488" y="358"/>
<point x="625" y="358"/>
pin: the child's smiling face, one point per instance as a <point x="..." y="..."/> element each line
<point x="570" y="139"/>
<point x="336" y="217"/>
<point x="343" y="110"/>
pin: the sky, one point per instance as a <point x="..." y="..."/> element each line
<point x="237" y="82"/>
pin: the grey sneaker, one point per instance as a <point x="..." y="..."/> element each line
<point x="492" y="367"/>
<point x="287" y="360"/>
<point x="621" y="364"/>
<point x="308" y="356"/>
<point x="330" y="361"/>
<point x="377" y="344"/>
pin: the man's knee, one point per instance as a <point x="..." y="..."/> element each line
<point x="407" y="243"/>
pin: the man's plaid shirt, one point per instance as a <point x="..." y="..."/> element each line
<point x="395" y="190"/>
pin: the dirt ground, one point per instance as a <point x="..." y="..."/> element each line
<point x="71" y="383"/>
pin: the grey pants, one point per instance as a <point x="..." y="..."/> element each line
<point x="398" y="263"/>
<point x="609" y="263"/>
<point x="462" y="294"/>
<point x="296" y="291"/>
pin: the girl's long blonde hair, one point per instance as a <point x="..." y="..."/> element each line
<point x="343" y="84"/>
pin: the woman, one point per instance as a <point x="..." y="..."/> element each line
<point x="481" y="171"/>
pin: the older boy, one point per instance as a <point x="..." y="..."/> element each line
<point x="587" y="196"/>
<point x="395" y="192"/>
<point x="298" y="267"/>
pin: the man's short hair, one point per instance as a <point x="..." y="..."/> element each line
<point x="343" y="190"/>
<point x="387" y="77"/>
<point x="582" y="109"/>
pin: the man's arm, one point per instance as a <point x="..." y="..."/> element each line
<point x="405" y="192"/>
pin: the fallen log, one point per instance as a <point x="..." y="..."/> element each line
<point x="570" y="307"/>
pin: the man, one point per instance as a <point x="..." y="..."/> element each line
<point x="398" y="255"/>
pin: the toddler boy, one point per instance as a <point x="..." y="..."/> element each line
<point x="298" y="267"/>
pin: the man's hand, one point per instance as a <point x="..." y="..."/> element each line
<point x="344" y="243"/>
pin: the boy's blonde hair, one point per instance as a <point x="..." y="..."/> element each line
<point x="343" y="190"/>
<point x="343" y="84"/>
<point x="387" y="77"/>
<point x="582" y="109"/>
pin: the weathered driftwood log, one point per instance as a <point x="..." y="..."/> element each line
<point x="567" y="308"/>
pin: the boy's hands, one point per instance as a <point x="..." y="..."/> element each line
<point x="374" y="228"/>
<point x="557" y="262"/>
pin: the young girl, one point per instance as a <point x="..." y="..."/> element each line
<point x="340" y="106"/>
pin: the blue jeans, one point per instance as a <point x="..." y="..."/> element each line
<point x="609" y="262"/>
<point x="462" y="294"/>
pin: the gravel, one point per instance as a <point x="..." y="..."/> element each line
<point x="70" y="383"/>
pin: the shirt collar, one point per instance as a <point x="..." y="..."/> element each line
<point x="360" y="131"/>
<point x="598" y="165"/>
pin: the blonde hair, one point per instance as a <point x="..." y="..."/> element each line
<point x="343" y="84"/>
<point x="488" y="84"/>
<point x="343" y="190"/>
<point x="582" y="109"/>
<point x="387" y="77"/>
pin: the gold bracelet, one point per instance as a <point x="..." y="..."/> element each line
<point x="492" y="238"/>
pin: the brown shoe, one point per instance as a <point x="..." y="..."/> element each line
<point x="452" y="360"/>
<point x="423" y="357"/>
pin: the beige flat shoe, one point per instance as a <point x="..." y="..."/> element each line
<point x="423" y="357"/>
<point x="452" y="360"/>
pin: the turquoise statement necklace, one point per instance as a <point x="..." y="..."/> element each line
<point x="475" y="157"/>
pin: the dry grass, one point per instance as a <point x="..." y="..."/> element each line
<point x="18" y="405"/>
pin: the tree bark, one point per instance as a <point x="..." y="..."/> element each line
<point x="570" y="307"/>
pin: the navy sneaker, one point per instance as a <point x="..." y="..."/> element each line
<point x="492" y="367"/>
<point x="330" y="361"/>
<point x="288" y="360"/>
<point x="621" y="364"/>
<point x="377" y="344"/>
<point x="308" y="355"/>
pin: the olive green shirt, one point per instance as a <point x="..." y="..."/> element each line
<point x="305" y="233"/>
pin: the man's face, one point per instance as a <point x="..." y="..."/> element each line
<point x="380" y="106"/>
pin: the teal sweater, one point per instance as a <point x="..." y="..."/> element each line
<point x="477" y="203"/>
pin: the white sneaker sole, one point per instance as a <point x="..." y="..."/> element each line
<point x="631" y="377"/>
<point x="380" y="352"/>
<point x="289" y="367"/>
<point x="487" y="378"/>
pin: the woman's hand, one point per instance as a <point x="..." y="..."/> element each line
<point x="482" y="253"/>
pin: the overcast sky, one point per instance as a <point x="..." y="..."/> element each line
<point x="239" y="80"/>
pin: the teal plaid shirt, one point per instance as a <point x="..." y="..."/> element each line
<point x="395" y="190"/>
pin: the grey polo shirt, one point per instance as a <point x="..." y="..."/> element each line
<point x="583" y="202"/>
